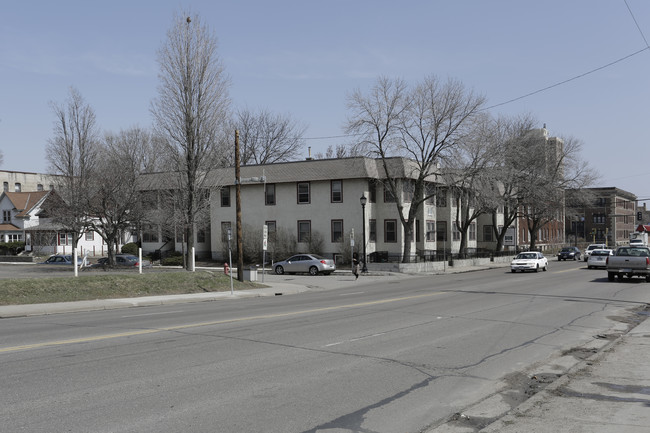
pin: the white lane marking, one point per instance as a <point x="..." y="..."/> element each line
<point x="348" y="294"/>
<point x="153" y="314"/>
<point x="354" y="339"/>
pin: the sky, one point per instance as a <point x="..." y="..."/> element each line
<point x="581" y="67"/>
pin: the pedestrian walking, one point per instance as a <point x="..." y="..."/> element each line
<point x="355" y="265"/>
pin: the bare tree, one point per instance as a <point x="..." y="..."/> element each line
<point x="509" y="135"/>
<point x="423" y="124"/>
<point x="1" y="157"/>
<point x="267" y="138"/>
<point x="190" y="112"/>
<point x="470" y="177"/>
<point x="72" y="154"/>
<point x="548" y="168"/>
<point x="114" y="197"/>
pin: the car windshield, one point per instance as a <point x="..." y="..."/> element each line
<point x="567" y="250"/>
<point x="526" y="256"/>
<point x="597" y="253"/>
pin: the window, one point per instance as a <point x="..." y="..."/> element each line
<point x="441" y="198"/>
<point x="225" y="228"/>
<point x="269" y="194"/>
<point x="488" y="233"/>
<point x="472" y="232"/>
<point x="390" y="230"/>
<point x="6" y="216"/>
<point x="15" y="238"/>
<point x="200" y="236"/>
<point x="441" y="231"/>
<point x="372" y="230"/>
<point x="5" y="186"/>
<point x="337" y="231"/>
<point x="65" y="239"/>
<point x="431" y="231"/>
<point x="601" y="201"/>
<point x="303" y="193"/>
<point x="272" y="228"/>
<point x="89" y="236"/>
<point x="17" y="187"/>
<point x="304" y="231"/>
<point x="39" y="187"/>
<point x="599" y="218"/>
<point x="372" y="191"/>
<point x="456" y="233"/>
<point x="388" y="196"/>
<point x="225" y="196"/>
<point x="337" y="191"/>
<point x="408" y="188"/>
<point x="150" y="233"/>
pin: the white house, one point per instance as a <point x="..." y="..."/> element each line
<point x="24" y="220"/>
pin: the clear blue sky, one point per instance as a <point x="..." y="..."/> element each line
<point x="304" y="57"/>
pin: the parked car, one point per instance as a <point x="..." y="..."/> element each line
<point x="529" y="261"/>
<point x="569" y="253"/>
<point x="124" y="260"/>
<point x="62" y="259"/>
<point x="311" y="263"/>
<point x="598" y="258"/>
<point x="592" y="247"/>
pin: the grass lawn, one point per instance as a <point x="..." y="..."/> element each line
<point x="114" y="285"/>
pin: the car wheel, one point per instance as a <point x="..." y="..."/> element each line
<point x="611" y="276"/>
<point x="279" y="270"/>
<point x="537" y="268"/>
<point x="513" y="271"/>
<point x="588" y="267"/>
<point x="545" y="267"/>
<point x="313" y="270"/>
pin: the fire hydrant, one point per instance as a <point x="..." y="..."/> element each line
<point x="226" y="269"/>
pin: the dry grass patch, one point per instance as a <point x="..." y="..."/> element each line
<point x="108" y="286"/>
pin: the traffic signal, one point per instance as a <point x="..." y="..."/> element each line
<point x="639" y="216"/>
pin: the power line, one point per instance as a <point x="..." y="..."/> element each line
<point x="570" y="79"/>
<point x="637" y="24"/>
<point x="647" y="47"/>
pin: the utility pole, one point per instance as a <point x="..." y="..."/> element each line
<point x="240" y="248"/>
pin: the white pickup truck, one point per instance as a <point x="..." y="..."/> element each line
<point x="629" y="262"/>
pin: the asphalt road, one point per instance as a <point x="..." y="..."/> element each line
<point x="394" y="356"/>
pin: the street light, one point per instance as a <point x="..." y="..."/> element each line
<point x="363" y="201"/>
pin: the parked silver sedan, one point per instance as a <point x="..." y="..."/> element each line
<point x="305" y="263"/>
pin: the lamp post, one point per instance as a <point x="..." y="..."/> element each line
<point x="363" y="201"/>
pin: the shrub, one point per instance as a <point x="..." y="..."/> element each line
<point x="174" y="259"/>
<point x="11" y="248"/>
<point x="130" y="248"/>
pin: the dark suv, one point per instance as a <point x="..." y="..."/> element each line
<point x="569" y="253"/>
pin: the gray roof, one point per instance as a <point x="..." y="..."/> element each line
<point x="295" y="171"/>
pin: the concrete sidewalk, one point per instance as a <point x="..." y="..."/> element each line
<point x="608" y="392"/>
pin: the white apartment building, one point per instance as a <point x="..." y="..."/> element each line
<point x="320" y="199"/>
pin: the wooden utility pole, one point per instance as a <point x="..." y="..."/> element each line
<point x="240" y="246"/>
